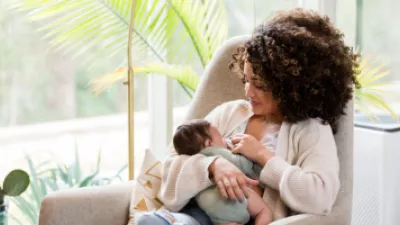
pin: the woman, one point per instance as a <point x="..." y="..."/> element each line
<point x="298" y="76"/>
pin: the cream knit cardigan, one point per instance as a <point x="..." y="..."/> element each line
<point x="304" y="174"/>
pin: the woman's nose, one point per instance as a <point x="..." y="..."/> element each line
<point x="249" y="90"/>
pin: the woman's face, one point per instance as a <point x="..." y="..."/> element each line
<point x="262" y="102"/>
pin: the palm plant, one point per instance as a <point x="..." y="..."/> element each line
<point x="47" y="177"/>
<point x="163" y="29"/>
<point x="369" y="94"/>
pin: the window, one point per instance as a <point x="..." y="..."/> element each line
<point x="48" y="112"/>
<point x="371" y="27"/>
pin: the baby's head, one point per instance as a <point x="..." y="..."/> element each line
<point x="191" y="137"/>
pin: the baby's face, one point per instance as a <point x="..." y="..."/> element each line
<point x="217" y="139"/>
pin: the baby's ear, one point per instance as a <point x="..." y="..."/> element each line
<point x="207" y="143"/>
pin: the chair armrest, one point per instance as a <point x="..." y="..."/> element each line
<point x="297" y="220"/>
<point x="103" y="205"/>
<point x="307" y="219"/>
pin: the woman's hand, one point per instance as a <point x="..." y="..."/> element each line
<point x="230" y="180"/>
<point x="251" y="148"/>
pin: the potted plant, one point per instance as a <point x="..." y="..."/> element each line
<point x="15" y="183"/>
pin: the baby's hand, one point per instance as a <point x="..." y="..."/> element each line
<point x="228" y="143"/>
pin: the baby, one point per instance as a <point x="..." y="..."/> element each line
<point x="199" y="136"/>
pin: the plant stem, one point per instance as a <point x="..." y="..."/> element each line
<point x="131" y="96"/>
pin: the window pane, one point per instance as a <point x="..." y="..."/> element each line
<point x="371" y="27"/>
<point x="379" y="34"/>
<point x="243" y="16"/>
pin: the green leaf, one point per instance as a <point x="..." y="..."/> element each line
<point x="98" y="162"/>
<point x="118" y="174"/>
<point x="43" y="186"/>
<point x="63" y="172"/>
<point x="124" y="167"/>
<point x="374" y="77"/>
<point x="1" y="196"/>
<point x="15" y="183"/>
<point x="34" y="184"/>
<point x="86" y="182"/>
<point x="183" y="74"/>
<point x="368" y="94"/>
<point x="360" y="106"/>
<point x="30" y="210"/>
<point x="204" y="34"/>
<point x="42" y="164"/>
<point x="70" y="175"/>
<point x="77" y="164"/>
<point x="378" y="102"/>
<point x="52" y="180"/>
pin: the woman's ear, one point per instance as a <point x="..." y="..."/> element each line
<point x="207" y="143"/>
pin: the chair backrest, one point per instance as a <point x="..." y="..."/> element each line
<point x="218" y="84"/>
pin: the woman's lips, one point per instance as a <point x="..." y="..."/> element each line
<point x="254" y="103"/>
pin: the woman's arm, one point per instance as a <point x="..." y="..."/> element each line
<point x="188" y="175"/>
<point x="311" y="187"/>
<point x="183" y="177"/>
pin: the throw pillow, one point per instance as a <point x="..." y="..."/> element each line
<point x="147" y="186"/>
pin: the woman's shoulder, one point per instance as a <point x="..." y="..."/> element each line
<point x="235" y="105"/>
<point x="312" y="130"/>
<point x="312" y="125"/>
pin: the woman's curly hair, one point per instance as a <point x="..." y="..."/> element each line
<point x="301" y="57"/>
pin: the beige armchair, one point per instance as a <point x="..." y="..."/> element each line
<point x="109" y="205"/>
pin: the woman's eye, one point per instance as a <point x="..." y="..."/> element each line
<point x="258" y="86"/>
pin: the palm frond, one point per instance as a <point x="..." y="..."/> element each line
<point x="183" y="74"/>
<point x="378" y="102"/>
<point x="80" y="25"/>
<point x="369" y="93"/>
<point x="361" y="107"/>
<point x="205" y="23"/>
